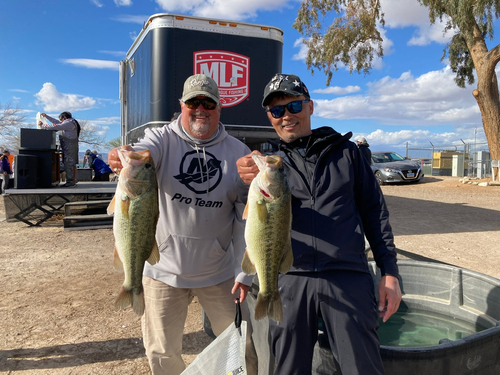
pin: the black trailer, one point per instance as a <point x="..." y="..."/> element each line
<point x="240" y="57"/>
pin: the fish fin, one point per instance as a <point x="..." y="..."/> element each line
<point x="154" y="257"/>
<point x="124" y="206"/>
<point x="262" y="211"/>
<point x="138" y="303"/>
<point x="262" y="306"/>
<point x="287" y="260"/>
<point x="245" y="212"/>
<point x="275" y="311"/>
<point x="117" y="262"/>
<point x="269" y="305"/>
<point x="247" y="266"/>
<point x="111" y="207"/>
<point x="124" y="299"/>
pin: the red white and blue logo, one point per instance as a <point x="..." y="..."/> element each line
<point x="230" y="70"/>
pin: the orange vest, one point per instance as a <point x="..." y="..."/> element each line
<point x="11" y="162"/>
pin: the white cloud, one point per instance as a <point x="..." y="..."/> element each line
<point x="18" y="90"/>
<point x="407" y="13"/>
<point x="338" y="90"/>
<point x="123" y="3"/>
<point x="126" y="18"/>
<point x="302" y="54"/>
<point x="97" y="3"/>
<point x="93" y="64"/>
<point x="431" y="33"/>
<point x="55" y="101"/>
<point x="222" y="9"/>
<point x="106" y="121"/>
<point x="421" y="138"/>
<point x="431" y="99"/>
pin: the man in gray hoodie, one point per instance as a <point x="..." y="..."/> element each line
<point x="200" y="230"/>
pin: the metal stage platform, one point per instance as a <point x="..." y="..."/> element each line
<point x="35" y="206"/>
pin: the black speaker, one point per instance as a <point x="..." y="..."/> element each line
<point x="38" y="139"/>
<point x="26" y="172"/>
<point x="48" y="167"/>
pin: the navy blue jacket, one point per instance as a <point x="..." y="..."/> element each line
<point x="5" y="165"/>
<point x="335" y="202"/>
<point x="98" y="165"/>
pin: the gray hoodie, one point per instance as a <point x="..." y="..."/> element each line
<point x="200" y="232"/>
<point x="68" y="127"/>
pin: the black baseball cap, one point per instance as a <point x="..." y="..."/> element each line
<point x="284" y="83"/>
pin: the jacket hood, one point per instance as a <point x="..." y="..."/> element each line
<point x="320" y="137"/>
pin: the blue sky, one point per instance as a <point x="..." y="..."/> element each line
<point x="60" y="55"/>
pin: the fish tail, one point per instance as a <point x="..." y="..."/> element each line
<point x="128" y="298"/>
<point x="138" y="303"/>
<point x="276" y="308"/>
<point x="269" y="305"/>
<point x="124" y="299"/>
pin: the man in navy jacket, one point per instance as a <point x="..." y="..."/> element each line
<point x="336" y="201"/>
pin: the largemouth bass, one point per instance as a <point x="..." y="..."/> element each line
<point x="268" y="215"/>
<point x="135" y="209"/>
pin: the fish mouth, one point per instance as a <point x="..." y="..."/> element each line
<point x="134" y="158"/>
<point x="266" y="165"/>
<point x="267" y="161"/>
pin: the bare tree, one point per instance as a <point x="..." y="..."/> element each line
<point x="353" y="40"/>
<point x="90" y="135"/>
<point x="11" y="120"/>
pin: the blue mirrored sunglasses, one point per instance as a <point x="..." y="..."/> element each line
<point x="293" y="107"/>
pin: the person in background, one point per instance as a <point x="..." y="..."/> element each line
<point x="11" y="159"/>
<point x="5" y="170"/>
<point x="335" y="201"/>
<point x="364" y="147"/>
<point x="101" y="169"/>
<point x="86" y="163"/>
<point x="98" y="155"/>
<point x="200" y="232"/>
<point x="70" y="131"/>
<point x="61" y="168"/>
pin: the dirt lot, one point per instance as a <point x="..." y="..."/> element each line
<point x="57" y="312"/>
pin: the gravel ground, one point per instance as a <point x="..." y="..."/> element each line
<point x="57" y="306"/>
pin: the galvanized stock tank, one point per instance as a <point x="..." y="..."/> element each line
<point x="461" y="305"/>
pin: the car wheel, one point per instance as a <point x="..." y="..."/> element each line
<point x="379" y="178"/>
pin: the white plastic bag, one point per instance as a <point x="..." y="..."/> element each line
<point x="41" y="118"/>
<point x="226" y="354"/>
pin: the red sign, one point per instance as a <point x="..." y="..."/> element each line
<point x="230" y="70"/>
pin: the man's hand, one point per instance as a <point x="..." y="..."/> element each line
<point x="243" y="290"/>
<point x="114" y="160"/>
<point x="389" y="296"/>
<point x="247" y="168"/>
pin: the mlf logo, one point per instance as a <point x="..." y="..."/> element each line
<point x="199" y="174"/>
<point x="230" y="70"/>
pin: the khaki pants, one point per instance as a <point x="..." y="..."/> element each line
<point x="165" y="315"/>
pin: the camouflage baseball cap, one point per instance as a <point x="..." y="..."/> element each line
<point x="286" y="84"/>
<point x="200" y="84"/>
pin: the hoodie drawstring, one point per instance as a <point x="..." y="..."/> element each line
<point x="205" y="164"/>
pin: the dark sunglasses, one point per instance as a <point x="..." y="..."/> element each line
<point x="208" y="104"/>
<point x="293" y="107"/>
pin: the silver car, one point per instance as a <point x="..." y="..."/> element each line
<point x="390" y="167"/>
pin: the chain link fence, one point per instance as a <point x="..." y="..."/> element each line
<point x="468" y="159"/>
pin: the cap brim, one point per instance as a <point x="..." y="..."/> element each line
<point x="269" y="96"/>
<point x="194" y="94"/>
